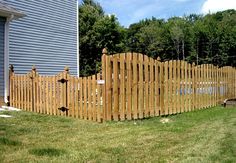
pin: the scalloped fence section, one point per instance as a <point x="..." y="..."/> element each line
<point x="130" y="86"/>
<point x="138" y="87"/>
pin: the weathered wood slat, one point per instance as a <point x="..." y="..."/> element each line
<point x="166" y="87"/>
<point x="115" y="90"/>
<point x="162" y="106"/>
<point x="151" y="88"/>
<point x="178" y="86"/>
<point x="146" y="88"/>
<point x="129" y="87"/>
<point x="135" y="87"/>
<point x="108" y="83"/>
<point x="170" y="88"/>
<point x="174" y="88"/>
<point x="81" y="95"/>
<point x="99" y="101"/>
<point x="157" y="88"/>
<point x="94" y="95"/>
<point x="122" y="88"/>
<point x="141" y="82"/>
<point x="88" y="101"/>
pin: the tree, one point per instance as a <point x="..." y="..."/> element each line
<point x="89" y="13"/>
<point x="194" y="38"/>
<point x="96" y="31"/>
<point x="148" y="37"/>
<point x="151" y="39"/>
<point x="178" y="35"/>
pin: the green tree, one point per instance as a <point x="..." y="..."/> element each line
<point x="151" y="39"/>
<point x="194" y="38"/>
<point x="96" y="31"/>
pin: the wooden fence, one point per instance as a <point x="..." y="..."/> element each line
<point x="61" y="94"/>
<point x="130" y="86"/>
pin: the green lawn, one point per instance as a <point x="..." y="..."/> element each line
<point x="201" y="136"/>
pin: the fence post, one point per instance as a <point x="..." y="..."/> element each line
<point x="162" y="111"/>
<point x="65" y="89"/>
<point x="33" y="74"/>
<point x="104" y="112"/>
<point x="194" y="92"/>
<point x="10" y="96"/>
<point x="158" y="85"/>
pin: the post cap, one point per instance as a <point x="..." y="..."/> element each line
<point x="158" y="59"/>
<point x="33" y="68"/>
<point x="66" y="68"/>
<point x="104" y="51"/>
<point x="11" y="68"/>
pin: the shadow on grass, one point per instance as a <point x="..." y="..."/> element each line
<point x="47" y="152"/>
<point x="117" y="154"/>
<point x="6" y="141"/>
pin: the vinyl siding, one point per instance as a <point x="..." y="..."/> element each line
<point x="46" y="37"/>
<point x="2" y="27"/>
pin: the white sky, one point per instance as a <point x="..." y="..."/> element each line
<point x="218" y="5"/>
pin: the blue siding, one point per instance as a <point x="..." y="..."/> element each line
<point x="2" y="27"/>
<point x="46" y="37"/>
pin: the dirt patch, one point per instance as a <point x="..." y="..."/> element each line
<point x="5" y="116"/>
<point x="165" y="120"/>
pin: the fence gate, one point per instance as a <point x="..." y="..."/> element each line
<point x="62" y="88"/>
<point x="61" y="94"/>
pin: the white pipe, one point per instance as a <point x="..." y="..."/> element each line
<point x="77" y="32"/>
<point x="6" y="58"/>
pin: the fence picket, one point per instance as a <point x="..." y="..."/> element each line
<point x="178" y="87"/>
<point x="170" y="87"/>
<point x="37" y="92"/>
<point x="24" y="91"/>
<point x="89" y="98"/>
<point x="151" y="88"/>
<point x="98" y="108"/>
<point x="185" y="87"/>
<point x="198" y="86"/>
<point x="93" y="98"/>
<point x="140" y="93"/>
<point x="81" y="95"/>
<point x="115" y="89"/>
<point x="122" y="87"/>
<point x="129" y="87"/>
<point x="194" y="87"/>
<point x="162" y="89"/>
<point x="190" y="83"/>
<point x="174" y="104"/>
<point x="85" y="98"/>
<point x="135" y="87"/>
<point x="76" y="96"/>
<point x="108" y="82"/>
<point x="18" y="91"/>
<point x="156" y="88"/>
<point x="166" y="92"/>
<point x="146" y="90"/>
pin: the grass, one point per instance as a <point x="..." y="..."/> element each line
<point x="201" y="136"/>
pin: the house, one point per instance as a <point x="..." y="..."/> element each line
<point x="41" y="33"/>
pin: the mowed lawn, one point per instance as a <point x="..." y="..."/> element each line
<point x="201" y="136"/>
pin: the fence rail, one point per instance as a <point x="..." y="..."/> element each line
<point x="130" y="86"/>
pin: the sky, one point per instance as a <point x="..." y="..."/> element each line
<point x="132" y="11"/>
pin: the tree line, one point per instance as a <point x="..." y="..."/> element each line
<point x="195" y="38"/>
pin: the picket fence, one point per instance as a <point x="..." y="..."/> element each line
<point x="129" y="86"/>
